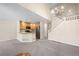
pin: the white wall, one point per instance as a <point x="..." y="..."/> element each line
<point x="66" y="32"/>
<point x="43" y="30"/>
<point x="7" y="30"/>
<point x="8" y="23"/>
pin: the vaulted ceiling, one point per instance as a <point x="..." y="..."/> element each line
<point x="17" y="12"/>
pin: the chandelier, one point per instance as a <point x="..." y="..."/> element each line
<point x="60" y="11"/>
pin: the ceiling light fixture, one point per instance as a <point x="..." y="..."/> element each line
<point x="60" y="11"/>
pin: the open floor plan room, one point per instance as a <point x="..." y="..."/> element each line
<point x="39" y="29"/>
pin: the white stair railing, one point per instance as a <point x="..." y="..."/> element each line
<point x="58" y="20"/>
<point x="74" y="17"/>
<point x="55" y="22"/>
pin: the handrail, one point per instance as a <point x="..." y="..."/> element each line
<point x="74" y="17"/>
<point x="61" y="19"/>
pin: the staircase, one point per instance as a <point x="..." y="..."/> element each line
<point x="58" y="20"/>
<point x="66" y="31"/>
<point x="55" y="22"/>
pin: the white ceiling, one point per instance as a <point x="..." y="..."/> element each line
<point x="16" y="12"/>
